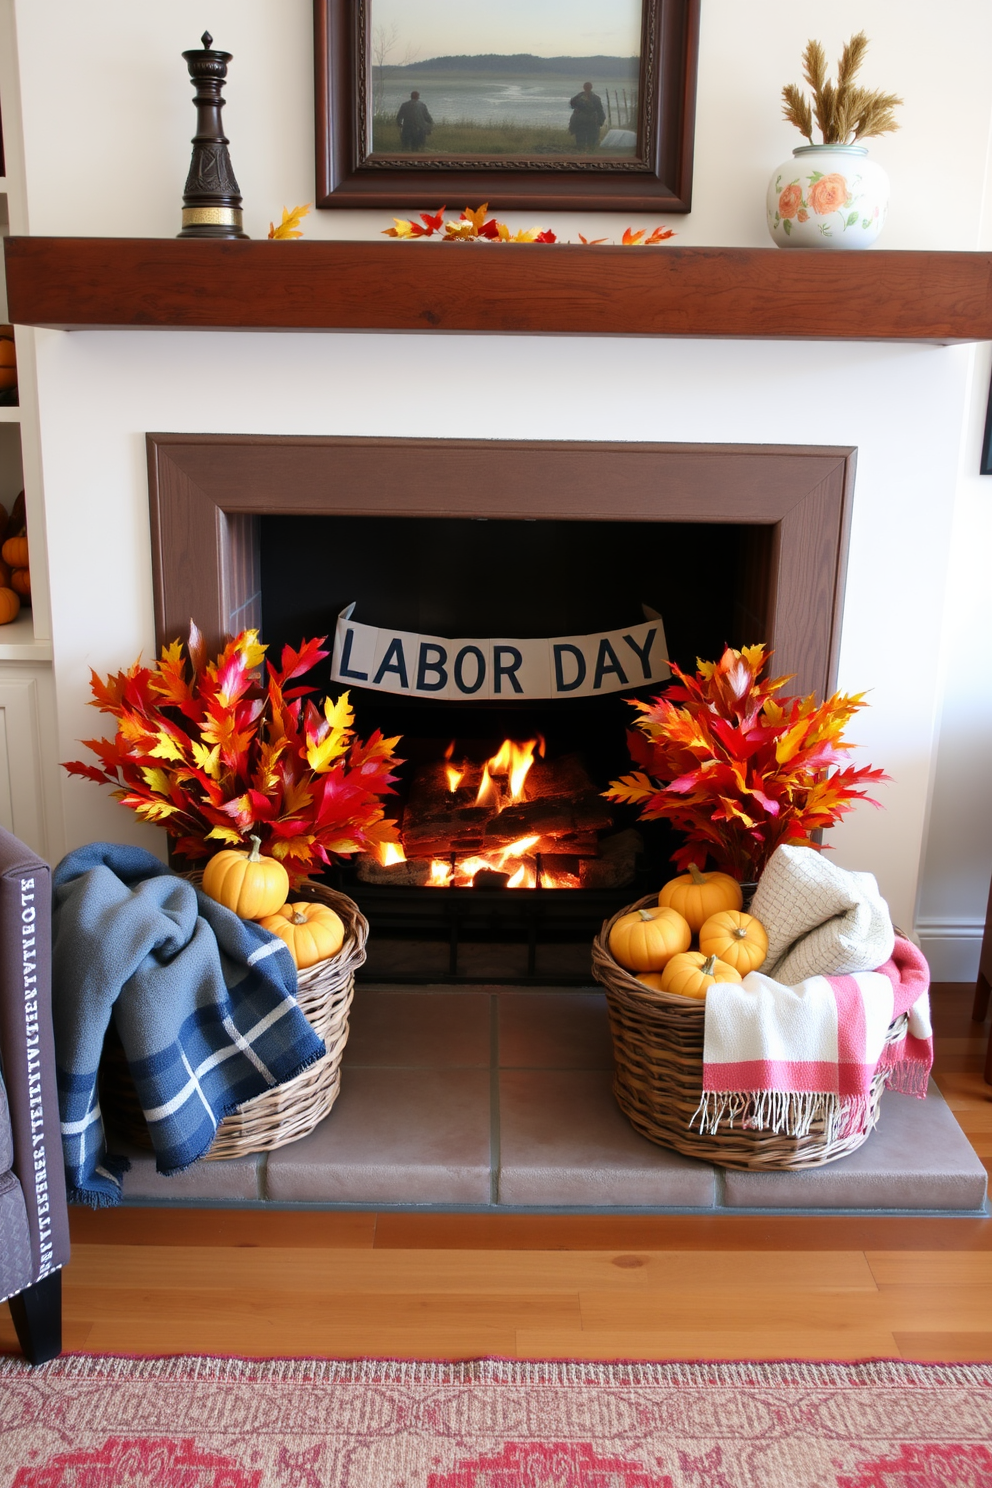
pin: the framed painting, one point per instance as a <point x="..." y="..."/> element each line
<point x="570" y="105"/>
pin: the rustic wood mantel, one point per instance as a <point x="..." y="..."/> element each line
<point x="764" y="293"/>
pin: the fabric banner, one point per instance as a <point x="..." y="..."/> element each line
<point x="437" y="667"/>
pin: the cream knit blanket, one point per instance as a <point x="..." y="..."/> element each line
<point x="821" y="920"/>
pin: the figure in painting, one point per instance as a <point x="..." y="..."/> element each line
<point x="588" y="118"/>
<point x="415" y="123"/>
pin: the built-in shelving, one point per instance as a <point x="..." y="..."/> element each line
<point x="10" y="415"/>
<point x="17" y="641"/>
<point x="767" y="293"/>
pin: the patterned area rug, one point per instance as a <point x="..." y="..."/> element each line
<point x="91" y="1422"/>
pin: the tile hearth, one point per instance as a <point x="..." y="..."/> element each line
<point x="489" y="1097"/>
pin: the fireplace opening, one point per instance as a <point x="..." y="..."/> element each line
<point x="504" y="831"/>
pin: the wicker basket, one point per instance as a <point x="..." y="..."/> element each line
<point x="287" y="1112"/>
<point x="658" y="1048"/>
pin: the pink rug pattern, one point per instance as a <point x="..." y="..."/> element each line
<point x="93" y="1422"/>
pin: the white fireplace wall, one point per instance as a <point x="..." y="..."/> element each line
<point x="915" y="613"/>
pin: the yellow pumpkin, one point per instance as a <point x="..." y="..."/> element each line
<point x="737" y="938"/>
<point x="10" y="606"/>
<point x="692" y="974"/>
<point x="645" y="939"/>
<point x="248" y="883"/>
<point x="15" y="552"/>
<point x="697" y="895"/>
<point x="312" y="931"/>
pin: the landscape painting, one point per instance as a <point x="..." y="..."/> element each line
<point x="501" y="79"/>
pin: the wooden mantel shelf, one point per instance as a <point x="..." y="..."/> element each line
<point x="766" y="293"/>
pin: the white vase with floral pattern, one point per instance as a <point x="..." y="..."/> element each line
<point x="827" y="196"/>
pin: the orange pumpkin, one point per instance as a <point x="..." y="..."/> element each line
<point x="697" y="895"/>
<point x="8" y="363"/>
<point x="645" y="939"/>
<point x="20" y="582"/>
<point x="737" y="938"/>
<point x="10" y="606"/>
<point x="248" y="883"/>
<point x="652" y="979"/>
<point x="312" y="931"/>
<point x="692" y="974"/>
<point x="15" y="552"/>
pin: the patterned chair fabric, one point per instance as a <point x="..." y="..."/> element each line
<point x="34" y="1232"/>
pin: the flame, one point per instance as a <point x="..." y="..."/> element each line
<point x="440" y="873"/>
<point x="455" y="776"/>
<point x="488" y="794"/>
<point x="389" y="853"/>
<point x="515" y="850"/>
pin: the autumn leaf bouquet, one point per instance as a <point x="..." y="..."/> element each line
<point x="738" y="770"/>
<point x="217" y="751"/>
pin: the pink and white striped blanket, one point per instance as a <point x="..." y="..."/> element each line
<point x="779" y="1058"/>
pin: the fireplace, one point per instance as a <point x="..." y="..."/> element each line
<point x="726" y="544"/>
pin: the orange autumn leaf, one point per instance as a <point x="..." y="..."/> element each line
<point x="739" y="770"/>
<point x="210" y="748"/>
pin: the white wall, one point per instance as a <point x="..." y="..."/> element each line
<point x="915" y="613"/>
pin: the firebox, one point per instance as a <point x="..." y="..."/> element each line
<point x="506" y="839"/>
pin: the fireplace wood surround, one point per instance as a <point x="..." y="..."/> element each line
<point x="208" y="492"/>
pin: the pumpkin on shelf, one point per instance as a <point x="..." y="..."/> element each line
<point x="646" y="939"/>
<point x="10" y="605"/>
<point x="20" y="582"/>
<point x="313" y="932"/>
<point x="15" y="552"/>
<point x="8" y="364"/>
<point x="737" y="938"/>
<point x="692" y="974"/>
<point x="250" y="884"/>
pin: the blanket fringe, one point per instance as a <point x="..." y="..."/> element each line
<point x="791" y="1113"/>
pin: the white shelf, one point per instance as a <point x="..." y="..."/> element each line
<point x="17" y="642"/>
<point x="10" y="415"/>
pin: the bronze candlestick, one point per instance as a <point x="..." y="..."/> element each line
<point x="212" y="198"/>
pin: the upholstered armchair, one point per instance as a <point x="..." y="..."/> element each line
<point x="34" y="1232"/>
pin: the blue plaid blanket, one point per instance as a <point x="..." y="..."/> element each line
<point x="204" y="1004"/>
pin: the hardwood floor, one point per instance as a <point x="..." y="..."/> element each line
<point x="162" y="1281"/>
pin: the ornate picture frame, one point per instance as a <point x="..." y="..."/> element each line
<point x="658" y="179"/>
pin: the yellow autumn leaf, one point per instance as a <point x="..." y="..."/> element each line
<point x="166" y="747"/>
<point x="251" y="649"/>
<point x="321" y="753"/>
<point x="226" y="834"/>
<point x="342" y="845"/>
<point x="403" y="229"/>
<point x="340" y="715"/>
<point x="155" y="779"/>
<point x="207" y="760"/>
<point x="789" y="744"/>
<point x="154" y="811"/>
<point x="289" y="227"/>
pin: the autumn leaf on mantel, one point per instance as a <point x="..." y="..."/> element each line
<point x="289" y="227"/>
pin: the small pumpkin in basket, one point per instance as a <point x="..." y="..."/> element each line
<point x="737" y="938"/>
<point x="313" y="932"/>
<point x="692" y="974"/>
<point x="246" y="882"/>
<point x="646" y="939"/>
<point x="697" y="895"/>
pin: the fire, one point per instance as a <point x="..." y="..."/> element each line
<point x="499" y="782"/>
<point x="389" y="853"/>
<point x="455" y="776"/>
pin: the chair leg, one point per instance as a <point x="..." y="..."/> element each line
<point x="983" y="991"/>
<point x="37" y="1315"/>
